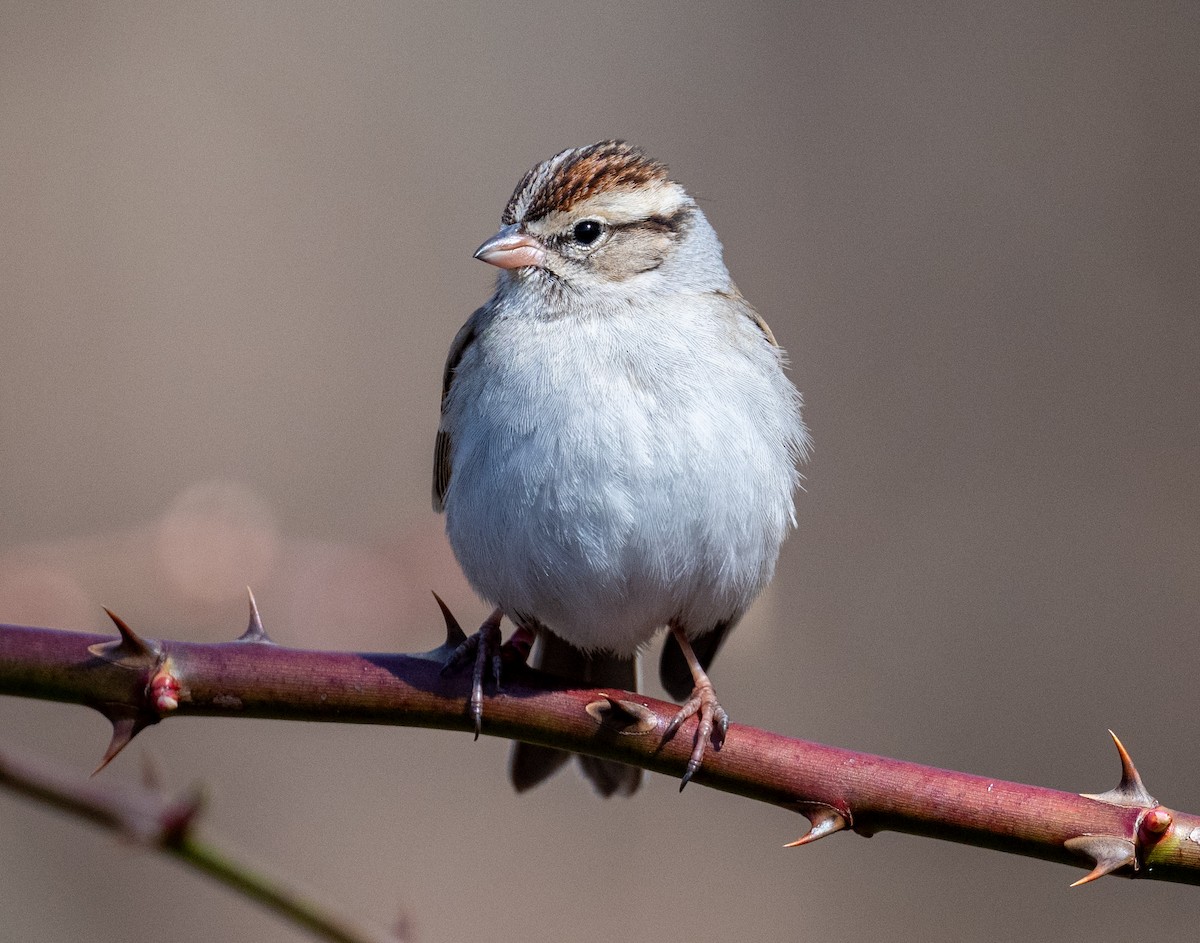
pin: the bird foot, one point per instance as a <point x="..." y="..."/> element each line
<point x="483" y="649"/>
<point x="712" y="726"/>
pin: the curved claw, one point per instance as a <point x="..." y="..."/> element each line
<point x="713" y="720"/>
<point x="712" y="727"/>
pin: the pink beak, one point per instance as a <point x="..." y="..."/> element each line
<point x="510" y="248"/>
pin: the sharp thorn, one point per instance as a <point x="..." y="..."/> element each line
<point x="254" y="631"/>
<point x="455" y="635"/>
<point x="822" y="821"/>
<point x="121" y="736"/>
<point x="1130" y="791"/>
<point x="256" y="624"/>
<point x="126" y="725"/>
<point x="130" y="649"/>
<point x="128" y="636"/>
<point x="1131" y="780"/>
<point x="1108" y="852"/>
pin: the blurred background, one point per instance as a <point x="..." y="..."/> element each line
<point x="236" y="244"/>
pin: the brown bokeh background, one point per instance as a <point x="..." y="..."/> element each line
<point x="236" y="243"/>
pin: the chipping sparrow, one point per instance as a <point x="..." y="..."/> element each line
<point x="618" y="442"/>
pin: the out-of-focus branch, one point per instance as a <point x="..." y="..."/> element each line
<point x="136" y="682"/>
<point x="146" y="816"/>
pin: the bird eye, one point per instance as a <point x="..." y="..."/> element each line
<point x="587" y="231"/>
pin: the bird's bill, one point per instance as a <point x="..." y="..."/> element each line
<point x="510" y="248"/>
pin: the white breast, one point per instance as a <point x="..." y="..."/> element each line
<point x="614" y="473"/>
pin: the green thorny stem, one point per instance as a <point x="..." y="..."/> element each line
<point x="145" y="816"/>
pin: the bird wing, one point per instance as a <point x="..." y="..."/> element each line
<point x="745" y="309"/>
<point x="441" y="446"/>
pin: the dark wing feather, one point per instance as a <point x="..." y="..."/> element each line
<point x="441" y="470"/>
<point x="441" y="446"/>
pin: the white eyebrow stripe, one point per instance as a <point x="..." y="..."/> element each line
<point x="622" y="206"/>
<point x="628" y="204"/>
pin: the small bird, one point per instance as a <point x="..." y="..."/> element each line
<point x="618" y="445"/>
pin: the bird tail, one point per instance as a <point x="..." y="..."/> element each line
<point x="530" y="763"/>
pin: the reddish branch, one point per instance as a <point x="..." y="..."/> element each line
<point x="136" y="682"/>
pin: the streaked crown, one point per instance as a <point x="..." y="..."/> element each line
<point x="578" y="174"/>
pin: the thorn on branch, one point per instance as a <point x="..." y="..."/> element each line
<point x="127" y="722"/>
<point x="254" y="631"/>
<point x="823" y="820"/>
<point x="1129" y="791"/>
<point x="1107" y="851"/>
<point x="150" y="819"/>
<point x="455" y="635"/>
<point x="1111" y="852"/>
<point x="158" y="695"/>
<point x="128" y="651"/>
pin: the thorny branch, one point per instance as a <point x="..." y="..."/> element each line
<point x="150" y="819"/>
<point x="136" y="682"/>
